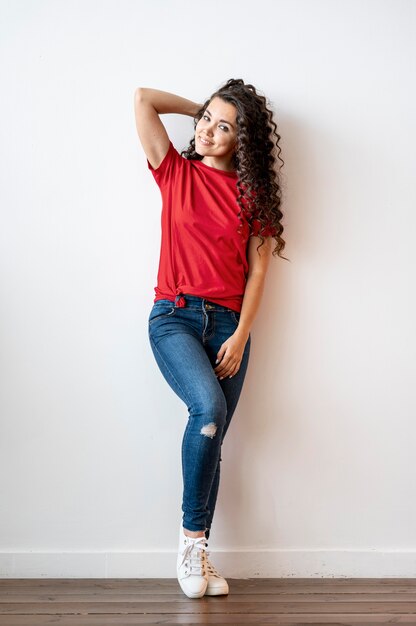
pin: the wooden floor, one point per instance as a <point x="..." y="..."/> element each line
<point x="254" y="601"/>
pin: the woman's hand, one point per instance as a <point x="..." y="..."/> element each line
<point x="230" y="355"/>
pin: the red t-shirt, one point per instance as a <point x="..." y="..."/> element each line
<point x="201" y="251"/>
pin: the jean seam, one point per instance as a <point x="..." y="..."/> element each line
<point x="161" y="315"/>
<point x="206" y="338"/>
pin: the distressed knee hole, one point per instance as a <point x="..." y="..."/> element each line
<point x="209" y="430"/>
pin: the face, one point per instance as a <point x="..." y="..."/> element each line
<point x="218" y="127"/>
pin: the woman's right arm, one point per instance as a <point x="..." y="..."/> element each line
<point x="148" y="105"/>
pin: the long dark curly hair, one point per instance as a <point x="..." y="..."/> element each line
<point x="254" y="159"/>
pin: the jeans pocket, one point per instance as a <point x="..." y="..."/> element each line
<point x="161" y="310"/>
<point x="235" y="316"/>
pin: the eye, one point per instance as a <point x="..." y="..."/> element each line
<point x="221" y="126"/>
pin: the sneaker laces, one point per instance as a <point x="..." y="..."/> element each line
<point x="194" y="551"/>
<point x="211" y="569"/>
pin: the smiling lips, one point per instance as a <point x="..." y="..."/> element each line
<point x="204" y="141"/>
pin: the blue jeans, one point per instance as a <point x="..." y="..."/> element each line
<point x="185" y="341"/>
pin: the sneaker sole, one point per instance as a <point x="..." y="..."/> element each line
<point x="220" y="591"/>
<point x="190" y="594"/>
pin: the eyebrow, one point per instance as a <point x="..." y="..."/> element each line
<point x="221" y="120"/>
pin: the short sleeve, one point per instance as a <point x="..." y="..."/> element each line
<point x="166" y="172"/>
<point x="267" y="231"/>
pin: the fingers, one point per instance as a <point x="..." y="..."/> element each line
<point x="230" y="356"/>
<point x="228" y="368"/>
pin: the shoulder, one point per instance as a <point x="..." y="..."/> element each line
<point x="171" y="163"/>
<point x="171" y="154"/>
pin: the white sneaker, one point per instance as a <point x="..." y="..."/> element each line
<point x="191" y="565"/>
<point x="217" y="585"/>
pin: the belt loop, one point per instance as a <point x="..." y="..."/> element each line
<point x="180" y="300"/>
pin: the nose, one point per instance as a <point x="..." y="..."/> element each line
<point x="208" y="127"/>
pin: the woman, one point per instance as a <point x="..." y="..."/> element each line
<point x="220" y="212"/>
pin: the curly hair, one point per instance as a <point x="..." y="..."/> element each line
<point x="254" y="159"/>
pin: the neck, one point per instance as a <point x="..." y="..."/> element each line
<point x="220" y="164"/>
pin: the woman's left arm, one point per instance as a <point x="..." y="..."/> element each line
<point x="231" y="351"/>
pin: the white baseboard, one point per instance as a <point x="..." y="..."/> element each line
<point x="232" y="564"/>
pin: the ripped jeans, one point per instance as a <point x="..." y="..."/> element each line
<point x="185" y="342"/>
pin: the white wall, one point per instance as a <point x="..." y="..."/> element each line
<point x="318" y="472"/>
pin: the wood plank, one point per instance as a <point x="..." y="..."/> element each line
<point x="192" y="620"/>
<point x="241" y="585"/>
<point x="138" y="597"/>
<point x="207" y="605"/>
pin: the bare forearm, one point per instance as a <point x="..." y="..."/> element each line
<point x="251" y="301"/>
<point x="166" y="102"/>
